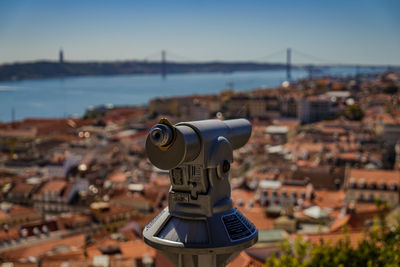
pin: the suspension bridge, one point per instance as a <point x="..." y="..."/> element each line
<point x="283" y="57"/>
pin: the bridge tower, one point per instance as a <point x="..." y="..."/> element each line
<point x="163" y="63"/>
<point x="61" y="56"/>
<point x="288" y="64"/>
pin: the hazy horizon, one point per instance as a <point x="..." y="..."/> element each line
<point x="356" y="32"/>
<point x="338" y="64"/>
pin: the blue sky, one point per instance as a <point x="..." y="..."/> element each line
<point x="351" y="31"/>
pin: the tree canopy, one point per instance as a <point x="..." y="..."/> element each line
<point x="354" y="112"/>
<point x="379" y="247"/>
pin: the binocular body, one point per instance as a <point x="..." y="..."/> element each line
<point x="200" y="218"/>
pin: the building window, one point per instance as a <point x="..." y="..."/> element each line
<point x="382" y="186"/>
<point x="393" y="187"/>
<point x="372" y="186"/>
<point x="371" y="197"/>
<point x="352" y="183"/>
<point x="363" y="184"/>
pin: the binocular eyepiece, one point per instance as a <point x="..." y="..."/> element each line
<point x="161" y="135"/>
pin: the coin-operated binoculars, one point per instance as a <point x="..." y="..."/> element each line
<point x="200" y="227"/>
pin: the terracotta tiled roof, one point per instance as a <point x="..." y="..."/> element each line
<point x="136" y="249"/>
<point x="162" y="261"/>
<point x="41" y="248"/>
<point x="374" y="176"/>
<point x="12" y="233"/>
<point x="161" y="181"/>
<point x="333" y="131"/>
<point x="22" y="188"/>
<point x="297" y="146"/>
<point x="26" y="133"/>
<point x="92" y="251"/>
<point x="121" y="114"/>
<point x="350" y="156"/>
<point x="117" y="177"/>
<point x="258" y="217"/>
<point x="17" y="210"/>
<point x="24" y="264"/>
<point x="71" y="261"/>
<point x="329" y="199"/>
<point x="53" y="186"/>
<point x="50" y="127"/>
<point x="3" y="215"/>
<point x="125" y="196"/>
<point x="306" y="163"/>
<point x="76" y="254"/>
<point x="244" y="260"/>
<point x="339" y="223"/>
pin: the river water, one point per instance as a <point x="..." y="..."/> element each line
<point x="64" y="97"/>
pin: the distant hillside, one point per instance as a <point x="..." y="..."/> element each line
<point x="48" y="69"/>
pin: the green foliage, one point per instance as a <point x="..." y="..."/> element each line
<point x="354" y="112"/>
<point x="92" y="115"/>
<point x="380" y="246"/>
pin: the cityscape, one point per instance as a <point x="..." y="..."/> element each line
<point x="322" y="151"/>
<point x="199" y="134"/>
